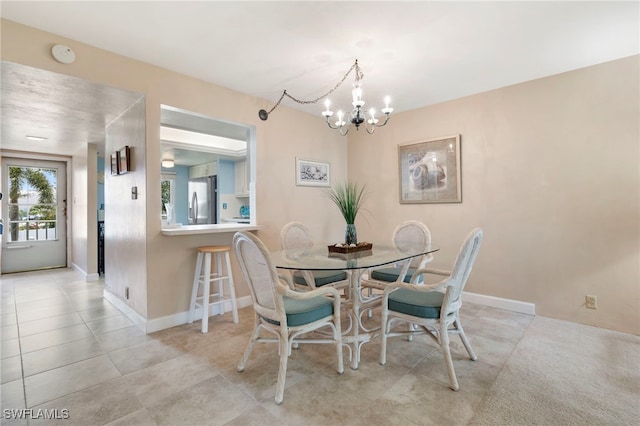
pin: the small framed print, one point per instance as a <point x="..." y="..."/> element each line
<point x="124" y="160"/>
<point x="312" y="173"/>
<point x="115" y="163"/>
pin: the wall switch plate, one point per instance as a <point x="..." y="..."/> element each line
<point x="224" y="206"/>
<point x="134" y="192"/>
<point x="591" y="302"/>
<point x="126" y="293"/>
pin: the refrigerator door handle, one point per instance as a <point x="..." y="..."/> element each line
<point x="194" y="208"/>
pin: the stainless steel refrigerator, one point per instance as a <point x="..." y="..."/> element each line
<point x="203" y="200"/>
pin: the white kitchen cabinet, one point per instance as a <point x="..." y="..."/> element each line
<point x="203" y="170"/>
<point x="241" y="179"/>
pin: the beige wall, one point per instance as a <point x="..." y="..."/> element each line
<point x="550" y="172"/>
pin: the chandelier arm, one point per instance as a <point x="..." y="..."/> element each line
<point x="370" y="130"/>
<point x="384" y="123"/>
<point x="332" y="126"/>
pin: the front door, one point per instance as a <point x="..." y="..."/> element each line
<point x="33" y="214"/>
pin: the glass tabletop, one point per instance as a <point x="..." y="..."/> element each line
<point x="318" y="258"/>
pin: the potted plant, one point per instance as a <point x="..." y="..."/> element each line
<point x="349" y="198"/>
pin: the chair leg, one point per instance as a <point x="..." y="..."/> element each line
<point x="338" y="339"/>
<point x="465" y="340"/>
<point x="412" y="327"/>
<point x="247" y="352"/>
<point x="444" y="345"/>
<point x="384" y="330"/>
<point x="282" y="370"/>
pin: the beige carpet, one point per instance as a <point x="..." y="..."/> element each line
<point x="563" y="373"/>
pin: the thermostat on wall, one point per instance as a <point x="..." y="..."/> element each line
<point x="63" y="54"/>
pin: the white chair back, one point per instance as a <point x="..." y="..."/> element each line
<point x="462" y="269"/>
<point x="258" y="270"/>
<point x="295" y="235"/>
<point x="412" y="234"/>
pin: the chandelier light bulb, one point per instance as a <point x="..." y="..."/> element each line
<point x="327" y="113"/>
<point x="387" y="110"/>
<point x="373" y="119"/>
<point x="356" y="93"/>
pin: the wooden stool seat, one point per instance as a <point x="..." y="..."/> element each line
<point x="204" y="277"/>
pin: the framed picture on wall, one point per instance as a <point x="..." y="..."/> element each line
<point x="115" y="163"/>
<point x="125" y="160"/>
<point x="312" y="173"/>
<point x="430" y="171"/>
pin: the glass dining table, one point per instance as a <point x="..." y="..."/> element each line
<point x="357" y="303"/>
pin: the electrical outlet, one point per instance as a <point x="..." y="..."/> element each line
<point x="591" y="302"/>
<point x="126" y="293"/>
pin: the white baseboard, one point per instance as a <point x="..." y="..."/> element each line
<point x="127" y="310"/>
<point x="168" y="321"/>
<point x="92" y="277"/>
<point x="87" y="277"/>
<point x="500" y="303"/>
<point x="157" y="324"/>
<point x="180" y="318"/>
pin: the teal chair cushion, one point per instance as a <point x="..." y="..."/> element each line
<point x="416" y="303"/>
<point x="391" y="274"/>
<point x="322" y="277"/>
<point x="301" y="312"/>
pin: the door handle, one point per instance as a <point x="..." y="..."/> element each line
<point x="195" y="210"/>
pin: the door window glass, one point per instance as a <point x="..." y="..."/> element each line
<point x="32" y="204"/>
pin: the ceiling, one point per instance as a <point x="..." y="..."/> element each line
<point x="418" y="53"/>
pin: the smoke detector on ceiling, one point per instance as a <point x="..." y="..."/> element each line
<point x="63" y="54"/>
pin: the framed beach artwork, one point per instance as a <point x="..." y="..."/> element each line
<point x="430" y="171"/>
<point x="115" y="163"/>
<point x="312" y="173"/>
<point x="125" y="160"/>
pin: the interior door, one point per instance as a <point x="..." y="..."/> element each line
<point x="33" y="214"/>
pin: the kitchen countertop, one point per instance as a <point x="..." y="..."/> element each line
<point x="209" y="229"/>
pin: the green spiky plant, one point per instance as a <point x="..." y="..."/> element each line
<point x="349" y="198"/>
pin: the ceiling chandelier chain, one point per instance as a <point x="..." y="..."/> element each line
<point x="355" y="116"/>
<point x="359" y="76"/>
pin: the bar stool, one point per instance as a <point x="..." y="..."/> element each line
<point x="205" y="277"/>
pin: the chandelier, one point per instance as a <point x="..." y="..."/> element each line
<point x="356" y="116"/>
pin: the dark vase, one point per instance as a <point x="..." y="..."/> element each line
<point x="350" y="234"/>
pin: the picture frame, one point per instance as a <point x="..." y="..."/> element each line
<point x="124" y="156"/>
<point x="312" y="173"/>
<point x="430" y="171"/>
<point x="115" y="163"/>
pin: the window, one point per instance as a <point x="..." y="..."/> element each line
<point x="168" y="191"/>
<point x="32" y="204"/>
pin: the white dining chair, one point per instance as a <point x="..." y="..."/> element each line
<point x="408" y="235"/>
<point x="282" y="311"/>
<point x="295" y="235"/>
<point x="432" y="309"/>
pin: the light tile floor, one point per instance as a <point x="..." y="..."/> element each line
<point x="65" y="348"/>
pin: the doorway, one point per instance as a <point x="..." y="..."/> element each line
<point x="34" y="214"/>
